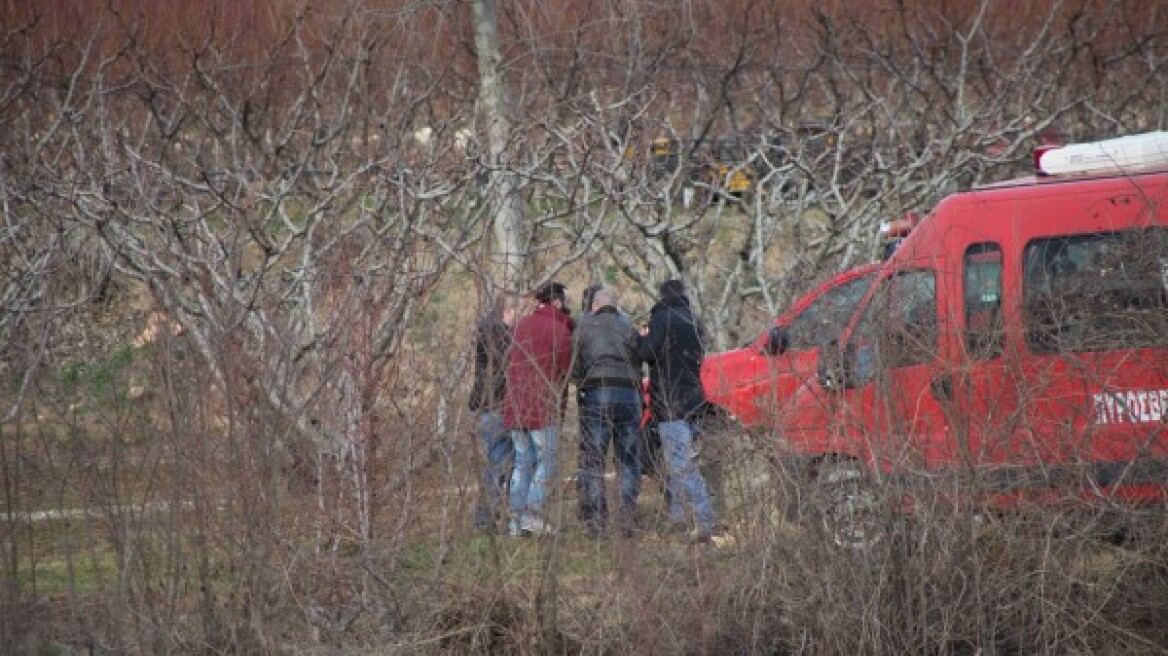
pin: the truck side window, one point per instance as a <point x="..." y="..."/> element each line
<point x="824" y="319"/>
<point x="982" y="280"/>
<point x="1097" y="292"/>
<point x="902" y="320"/>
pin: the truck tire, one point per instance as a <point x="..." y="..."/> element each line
<point x="734" y="465"/>
<point x="848" y="506"/>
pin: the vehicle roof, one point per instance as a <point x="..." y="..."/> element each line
<point x="1042" y="180"/>
<point x="1040" y="186"/>
<point x="925" y="236"/>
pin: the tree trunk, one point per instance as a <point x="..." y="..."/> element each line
<point x="494" y="107"/>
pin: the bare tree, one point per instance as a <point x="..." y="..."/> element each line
<point x="294" y="188"/>
<point x="496" y="107"/>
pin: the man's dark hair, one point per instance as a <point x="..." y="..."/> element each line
<point x="552" y="291"/>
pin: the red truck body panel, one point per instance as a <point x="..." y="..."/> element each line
<point x="757" y="388"/>
<point x="1020" y="333"/>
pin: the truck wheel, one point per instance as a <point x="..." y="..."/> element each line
<point x="848" y="507"/>
<point x="736" y="471"/>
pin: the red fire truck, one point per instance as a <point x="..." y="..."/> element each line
<point x="1017" y="338"/>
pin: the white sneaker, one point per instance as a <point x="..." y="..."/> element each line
<point x="513" y="528"/>
<point x="536" y="525"/>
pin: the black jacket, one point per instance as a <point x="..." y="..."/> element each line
<point x="492" y="343"/>
<point x="674" y="350"/>
<point x="604" y="351"/>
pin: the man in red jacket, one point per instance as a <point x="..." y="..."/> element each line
<point x="537" y="374"/>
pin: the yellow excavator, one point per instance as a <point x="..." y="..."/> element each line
<point x="721" y="163"/>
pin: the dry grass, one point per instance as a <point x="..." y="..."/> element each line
<point x="259" y="552"/>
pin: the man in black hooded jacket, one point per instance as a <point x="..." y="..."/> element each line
<point x="492" y="346"/>
<point x="673" y="347"/>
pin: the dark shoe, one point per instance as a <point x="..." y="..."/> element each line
<point x="592" y="524"/>
<point x="483" y="521"/>
<point x="627" y="527"/>
<point x="594" y="531"/>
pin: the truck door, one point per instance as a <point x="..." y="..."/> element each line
<point x="894" y="405"/>
<point x="981" y="389"/>
<point x="817" y="325"/>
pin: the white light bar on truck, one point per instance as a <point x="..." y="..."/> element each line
<point x="1121" y="155"/>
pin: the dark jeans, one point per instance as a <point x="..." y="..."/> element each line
<point x="609" y="414"/>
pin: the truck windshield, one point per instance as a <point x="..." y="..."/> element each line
<point x="825" y="318"/>
<point x="1097" y="292"/>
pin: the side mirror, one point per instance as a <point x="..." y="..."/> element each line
<point x="778" y="341"/>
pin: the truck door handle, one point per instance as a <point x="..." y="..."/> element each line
<point x="942" y="386"/>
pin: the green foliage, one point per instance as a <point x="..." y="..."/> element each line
<point x="100" y="378"/>
<point x="469" y="560"/>
<point x="611" y="274"/>
<point x="86" y="574"/>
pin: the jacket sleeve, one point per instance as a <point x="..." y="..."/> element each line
<point x="564" y="354"/>
<point x="632" y="346"/>
<point x="649" y="346"/>
<point x="577" y="374"/>
<point x="477" y="391"/>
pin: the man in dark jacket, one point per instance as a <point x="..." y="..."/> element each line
<point x="537" y="377"/>
<point x="673" y="347"/>
<point x="492" y="344"/>
<point x="607" y="372"/>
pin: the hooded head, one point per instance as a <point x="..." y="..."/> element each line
<point x="672" y="289"/>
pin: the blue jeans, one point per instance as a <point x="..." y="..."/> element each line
<point x="497" y="450"/>
<point x="685" y="479"/>
<point x="609" y="414"/>
<point x="535" y="470"/>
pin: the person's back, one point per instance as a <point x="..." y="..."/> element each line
<point x="492" y="346"/>
<point x="674" y="350"/>
<point x="538" y="368"/>
<point x="606" y="353"/>
<point x="537" y="376"/>
<point x="607" y="371"/>
<point x="672" y="345"/>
